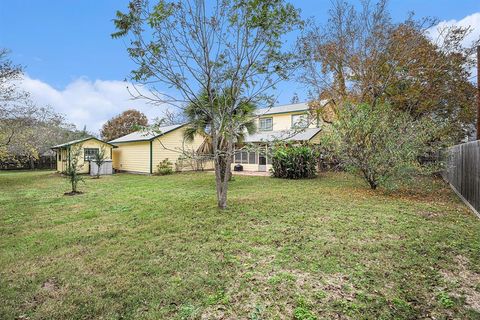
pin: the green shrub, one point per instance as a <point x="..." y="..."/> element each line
<point x="294" y="162"/>
<point x="165" y="167"/>
<point x="382" y="144"/>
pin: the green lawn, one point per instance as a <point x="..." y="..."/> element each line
<point x="140" y="247"/>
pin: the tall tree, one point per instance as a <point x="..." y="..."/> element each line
<point x="45" y="128"/>
<point x="361" y="56"/>
<point x="14" y="111"/>
<point x="125" y="123"/>
<point x="26" y="130"/>
<point x="9" y="74"/>
<point x="232" y="48"/>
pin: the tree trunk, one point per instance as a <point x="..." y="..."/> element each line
<point x="342" y="87"/>
<point x="74" y="181"/>
<point x="221" y="180"/>
<point x="370" y="179"/>
<point x="222" y="161"/>
<point x="372" y="182"/>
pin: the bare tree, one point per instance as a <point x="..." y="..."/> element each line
<point x="228" y="49"/>
<point x="15" y="111"/>
<point x="171" y="118"/>
<point x="9" y="73"/>
<point x="26" y="130"/>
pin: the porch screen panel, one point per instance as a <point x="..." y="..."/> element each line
<point x="252" y="157"/>
<point x="238" y="157"/>
<point x="244" y="157"/>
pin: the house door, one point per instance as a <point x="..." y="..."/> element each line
<point x="262" y="162"/>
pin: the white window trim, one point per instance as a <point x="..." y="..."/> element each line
<point x="260" y="126"/>
<point x="307" y="120"/>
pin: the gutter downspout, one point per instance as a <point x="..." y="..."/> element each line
<point x="151" y="156"/>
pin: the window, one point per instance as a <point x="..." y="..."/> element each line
<point x="266" y="124"/>
<point x="59" y="155"/>
<point x="246" y="157"/>
<point x="89" y="153"/>
<point x="299" y="120"/>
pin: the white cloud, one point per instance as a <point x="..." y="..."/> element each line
<point x="471" y="21"/>
<point x="86" y="102"/>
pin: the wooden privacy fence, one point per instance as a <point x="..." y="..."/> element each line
<point x="462" y="171"/>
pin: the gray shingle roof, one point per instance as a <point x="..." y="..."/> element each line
<point x="144" y="135"/>
<point x="286" y="135"/>
<point x="282" y="109"/>
<point x="294" y="107"/>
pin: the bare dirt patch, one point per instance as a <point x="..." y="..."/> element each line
<point x="466" y="282"/>
<point x="429" y="214"/>
<point x="49" y="290"/>
<point x="73" y="193"/>
<point x="50" y="285"/>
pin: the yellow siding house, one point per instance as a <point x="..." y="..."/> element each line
<point x="90" y="146"/>
<point x="141" y="152"/>
<point x="289" y="123"/>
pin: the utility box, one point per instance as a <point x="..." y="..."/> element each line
<point x="105" y="168"/>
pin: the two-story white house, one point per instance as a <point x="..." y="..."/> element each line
<point x="289" y="123"/>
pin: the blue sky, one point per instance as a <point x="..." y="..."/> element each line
<point x="73" y="64"/>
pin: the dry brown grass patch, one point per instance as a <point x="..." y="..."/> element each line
<point x="467" y="283"/>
